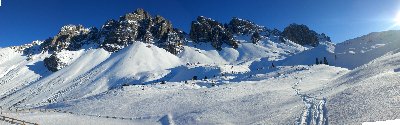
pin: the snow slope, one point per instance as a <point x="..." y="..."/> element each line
<point x="359" y="51"/>
<point x="366" y="94"/>
<point x="17" y="71"/>
<point x="308" y="57"/>
<point x="269" y="48"/>
<point x="51" y="86"/>
<point x="349" y="54"/>
<point x="276" y="99"/>
<point x="95" y="72"/>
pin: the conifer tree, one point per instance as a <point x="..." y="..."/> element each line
<point x="194" y="78"/>
<point x="325" y="61"/>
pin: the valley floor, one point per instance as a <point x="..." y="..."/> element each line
<point x="283" y="96"/>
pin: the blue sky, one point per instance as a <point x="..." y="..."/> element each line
<point x="22" y="21"/>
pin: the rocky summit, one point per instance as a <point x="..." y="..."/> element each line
<point x="70" y="37"/>
<point x="208" y="30"/>
<point x="302" y="35"/>
<point x="141" y="26"/>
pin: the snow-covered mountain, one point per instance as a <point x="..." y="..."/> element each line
<point x="141" y="70"/>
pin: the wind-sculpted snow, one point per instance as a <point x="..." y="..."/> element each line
<point x="366" y="94"/>
<point x="356" y="52"/>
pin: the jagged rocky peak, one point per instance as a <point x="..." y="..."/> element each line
<point x="302" y="35"/>
<point x="208" y="30"/>
<point x="71" y="37"/>
<point x="161" y="27"/>
<point x="137" y="15"/>
<point x="242" y="26"/>
<point x="140" y="26"/>
<point x="73" y="30"/>
<point x="324" y="37"/>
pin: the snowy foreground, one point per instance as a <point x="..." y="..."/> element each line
<point x="144" y="84"/>
<point x="280" y="99"/>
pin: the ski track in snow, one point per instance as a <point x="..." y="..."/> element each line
<point x="315" y="112"/>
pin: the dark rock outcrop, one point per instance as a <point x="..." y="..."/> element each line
<point x="324" y="37"/>
<point x="301" y="34"/>
<point x="52" y="63"/>
<point x="255" y="38"/>
<point x="241" y="26"/>
<point x="141" y="26"/>
<point x="275" y="32"/>
<point x="208" y="30"/>
<point x="70" y="37"/>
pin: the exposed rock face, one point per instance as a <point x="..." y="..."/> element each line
<point x="140" y="26"/>
<point x="208" y="30"/>
<point x="241" y="26"/>
<point x="53" y="63"/>
<point x="115" y="35"/>
<point x="301" y="34"/>
<point x="71" y="37"/>
<point x="275" y="32"/>
<point x="255" y="38"/>
<point x="324" y="37"/>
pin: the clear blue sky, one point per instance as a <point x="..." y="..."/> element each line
<point x="22" y="21"/>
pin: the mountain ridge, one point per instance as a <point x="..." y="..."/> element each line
<point x="140" y="26"/>
<point x="139" y="68"/>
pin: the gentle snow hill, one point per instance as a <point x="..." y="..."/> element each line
<point x="349" y="54"/>
<point x="308" y="57"/>
<point x="139" y="63"/>
<point x="356" y="52"/>
<point x="270" y="48"/>
<point x="366" y="94"/>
